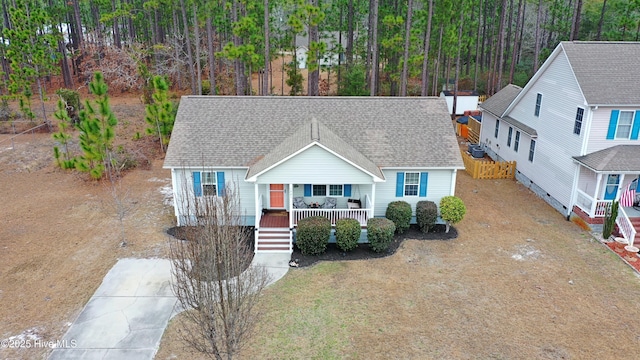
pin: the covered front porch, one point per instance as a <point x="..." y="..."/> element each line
<point x="604" y="177"/>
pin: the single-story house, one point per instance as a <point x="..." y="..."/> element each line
<point x="293" y="157"/>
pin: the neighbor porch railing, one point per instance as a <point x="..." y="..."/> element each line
<point x="362" y="215"/>
<point x="625" y="226"/>
<point x="593" y="208"/>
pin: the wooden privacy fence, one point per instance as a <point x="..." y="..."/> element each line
<point x="488" y="169"/>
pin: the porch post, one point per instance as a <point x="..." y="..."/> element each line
<point x="595" y="195"/>
<point x="373" y="199"/>
<point x="257" y="205"/>
<point x="620" y="187"/>
<point x="290" y="206"/>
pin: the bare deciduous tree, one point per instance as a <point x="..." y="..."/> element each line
<point x="212" y="278"/>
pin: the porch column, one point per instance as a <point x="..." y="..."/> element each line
<point x="257" y="204"/>
<point x="620" y="187"/>
<point x="595" y="195"/>
<point x="373" y="199"/>
<point x="290" y="206"/>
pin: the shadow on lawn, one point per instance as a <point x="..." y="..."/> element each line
<point x="362" y="252"/>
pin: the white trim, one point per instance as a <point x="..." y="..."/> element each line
<point x="404" y="184"/>
<point x="574" y="188"/>
<point x="254" y="178"/>
<point x="422" y="168"/>
<point x="587" y="133"/>
<point x="200" y="168"/>
<point x="452" y="187"/>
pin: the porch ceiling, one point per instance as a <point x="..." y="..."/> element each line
<point x="619" y="158"/>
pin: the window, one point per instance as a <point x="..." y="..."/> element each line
<point x="335" y="190"/>
<point x="625" y="121"/>
<point x="532" y="149"/>
<point x="209" y="184"/>
<point x="516" y="143"/>
<point x="495" y="134"/>
<point x="327" y="190"/>
<point x="509" y="136"/>
<point x="538" y="103"/>
<point x="411" y="184"/>
<point x="319" y="190"/>
<point x="578" y="124"/>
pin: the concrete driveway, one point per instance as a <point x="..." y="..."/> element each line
<point x="126" y="317"/>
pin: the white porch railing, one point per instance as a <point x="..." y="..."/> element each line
<point x="362" y="215"/>
<point x="594" y="208"/>
<point x="625" y="226"/>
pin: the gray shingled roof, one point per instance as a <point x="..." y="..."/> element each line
<point x="239" y="131"/>
<point x="608" y="72"/>
<point x="616" y="158"/>
<point x="525" y="128"/>
<point x="314" y="132"/>
<point x="500" y="101"/>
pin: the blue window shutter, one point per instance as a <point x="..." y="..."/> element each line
<point x="307" y="190"/>
<point x="197" y="188"/>
<point x="347" y="190"/>
<point x="636" y="126"/>
<point x="400" y="184"/>
<point x="423" y="184"/>
<point x="613" y="124"/>
<point x="220" y="175"/>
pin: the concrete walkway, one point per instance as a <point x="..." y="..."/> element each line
<point x="126" y="317"/>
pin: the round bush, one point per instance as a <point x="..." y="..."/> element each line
<point x="347" y="234"/>
<point x="426" y="215"/>
<point x="452" y="210"/>
<point x="380" y="233"/>
<point x="313" y="235"/>
<point x="400" y="213"/>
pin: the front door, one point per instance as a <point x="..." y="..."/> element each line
<point x="611" y="190"/>
<point x="276" y="196"/>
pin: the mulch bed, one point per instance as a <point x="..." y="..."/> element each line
<point x="362" y="252"/>
<point x="629" y="257"/>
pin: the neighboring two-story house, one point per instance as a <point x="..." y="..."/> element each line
<point x="573" y="130"/>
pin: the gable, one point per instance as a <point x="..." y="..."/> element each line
<point x="315" y="164"/>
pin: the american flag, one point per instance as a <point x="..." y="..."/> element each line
<point x="627" y="197"/>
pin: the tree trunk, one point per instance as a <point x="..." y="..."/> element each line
<point x="350" y="34"/>
<point x="478" y="53"/>
<point x="501" y="46"/>
<point x="575" y="23"/>
<point x="192" y="70"/>
<point x="457" y="76"/>
<point x="407" y="43"/>
<point x="536" y="52"/>
<point x="435" y="73"/>
<point x="369" y="59"/>
<point x="516" y="43"/>
<point x="313" y="82"/>
<point x="176" y="33"/>
<point x="212" y="56"/>
<point x="196" y="32"/>
<point x="267" y="56"/>
<point x="237" y="63"/>
<point x="78" y="24"/>
<point x="425" y="61"/>
<point x="374" y="49"/>
<point x="116" y="27"/>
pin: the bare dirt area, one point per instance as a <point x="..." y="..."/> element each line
<point x="59" y="232"/>
<point x="519" y="282"/>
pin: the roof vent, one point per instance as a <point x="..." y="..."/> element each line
<point x="315" y="132"/>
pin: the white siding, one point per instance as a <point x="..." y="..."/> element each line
<point x="315" y="166"/>
<point x="438" y="186"/>
<point x="600" y="126"/>
<point x="553" y="167"/>
<point x="587" y="181"/>
<point x="182" y="181"/>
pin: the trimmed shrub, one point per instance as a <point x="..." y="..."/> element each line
<point x="347" y="234"/>
<point x="400" y="213"/>
<point x="426" y="215"/>
<point x="313" y="235"/>
<point x="452" y="210"/>
<point x="380" y="233"/>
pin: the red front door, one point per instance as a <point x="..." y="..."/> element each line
<point x="276" y="196"/>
